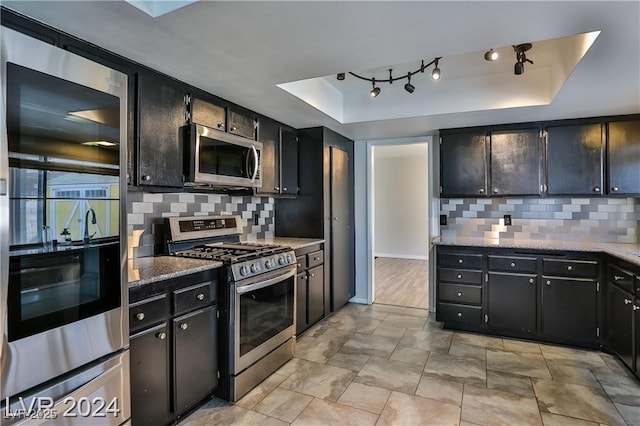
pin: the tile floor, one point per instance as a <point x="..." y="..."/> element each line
<point x="388" y="365"/>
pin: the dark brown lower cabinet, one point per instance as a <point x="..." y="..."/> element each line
<point x="620" y="316"/>
<point x="310" y="287"/>
<point x="150" y="374"/>
<point x="569" y="309"/>
<point x="511" y="302"/>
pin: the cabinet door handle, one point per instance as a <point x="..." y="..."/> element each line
<point x="277" y="188"/>
<point x="596" y="189"/>
<point x="162" y="335"/>
<point x="312" y="275"/>
<point x="627" y="301"/>
<point x="618" y="278"/>
<point x="459" y="276"/>
<point x="636" y="308"/>
<point x="459" y="314"/>
<point x="569" y="268"/>
<point x="184" y="326"/>
<point x="481" y="191"/>
<point x="220" y="125"/>
<point x="146" y="178"/>
<point x="284" y="188"/>
<point x="200" y="296"/>
<point x="548" y="282"/>
<point x="140" y="316"/>
<point x="234" y="128"/>
<point x="615" y="189"/>
<point x="513" y="264"/>
<point x="495" y="191"/>
<point x="531" y="280"/>
<point x="460" y="261"/>
<point x="459" y="294"/>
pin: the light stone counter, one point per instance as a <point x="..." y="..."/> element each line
<point x="294" y="243"/>
<point x="146" y="270"/>
<point x="627" y="252"/>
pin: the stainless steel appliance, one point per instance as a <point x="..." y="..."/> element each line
<point x="63" y="305"/>
<point x="257" y="297"/>
<point x="215" y="158"/>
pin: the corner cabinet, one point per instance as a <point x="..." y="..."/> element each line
<point x="279" y="158"/>
<point x="543" y="295"/>
<point x="160" y="113"/>
<point x="174" y="347"/>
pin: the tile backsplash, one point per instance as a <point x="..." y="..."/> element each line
<point x="146" y="213"/>
<point x="566" y="219"/>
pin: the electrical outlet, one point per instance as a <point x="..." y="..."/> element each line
<point x="443" y="219"/>
<point x="256" y="216"/>
<point x="507" y="220"/>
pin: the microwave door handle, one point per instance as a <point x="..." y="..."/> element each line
<point x="255" y="163"/>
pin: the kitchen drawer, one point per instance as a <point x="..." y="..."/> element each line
<point x="315" y="258"/>
<point x="620" y="277"/>
<point x="193" y="297"/>
<point x="513" y="263"/>
<point x="450" y="312"/>
<point x="148" y="312"/>
<point x="570" y="268"/>
<point x="459" y="276"/>
<point x="302" y="262"/>
<point x="460" y="260"/>
<point x="459" y="293"/>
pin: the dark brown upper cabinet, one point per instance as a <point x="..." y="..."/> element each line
<point x="575" y="159"/>
<point x="463" y="164"/>
<point x="515" y="162"/>
<point x="207" y="112"/>
<point x="160" y="113"/>
<point x="242" y="122"/>
<point x="624" y="157"/>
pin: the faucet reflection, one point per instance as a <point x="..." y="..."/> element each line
<point x="91" y="212"/>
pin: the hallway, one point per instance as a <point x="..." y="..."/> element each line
<point x="402" y="282"/>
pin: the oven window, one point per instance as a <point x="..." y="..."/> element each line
<point x="264" y="313"/>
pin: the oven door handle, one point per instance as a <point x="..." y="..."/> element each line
<point x="267" y="283"/>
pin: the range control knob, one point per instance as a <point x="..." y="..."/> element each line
<point x="282" y="260"/>
<point x="244" y="270"/>
<point x="269" y="263"/>
<point x="255" y="267"/>
<point x="289" y="258"/>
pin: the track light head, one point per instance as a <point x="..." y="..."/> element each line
<point x="436" y="74"/>
<point x="491" y="55"/>
<point x="340" y="76"/>
<point x="518" y="68"/>
<point x="521" y="57"/>
<point x="376" y="90"/>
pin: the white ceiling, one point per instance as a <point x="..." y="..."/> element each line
<point x="241" y="50"/>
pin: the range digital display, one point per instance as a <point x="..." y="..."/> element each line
<point x="206" y="224"/>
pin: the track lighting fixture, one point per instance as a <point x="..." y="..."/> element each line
<point x="435" y="74"/>
<point x="409" y="87"/>
<point x="490" y="55"/>
<point x="375" y="91"/>
<point x="521" y="57"/>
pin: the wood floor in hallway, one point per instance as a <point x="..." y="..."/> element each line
<point x="402" y="282"/>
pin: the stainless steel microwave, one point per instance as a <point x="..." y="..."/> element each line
<point x="215" y="158"/>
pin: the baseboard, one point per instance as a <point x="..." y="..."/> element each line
<point x="402" y="256"/>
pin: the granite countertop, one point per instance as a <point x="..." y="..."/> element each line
<point x="146" y="270"/>
<point x="629" y="252"/>
<point x="294" y="243"/>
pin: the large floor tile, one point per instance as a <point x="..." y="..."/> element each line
<point x="549" y="419"/>
<point x="622" y="389"/>
<point x="457" y="369"/>
<point x="384" y="330"/>
<point x="353" y="362"/>
<point x="392" y="375"/>
<point x="524" y="364"/>
<point x="582" y="402"/>
<point x="479" y="340"/>
<point x="350" y="322"/>
<point x="256" y="395"/>
<point x="218" y="412"/>
<point x="511" y="383"/>
<point x="283" y="404"/>
<point x="316" y="349"/>
<point x="427" y="340"/>
<point x="469" y="351"/>
<point x="319" y="380"/>
<point x="422" y="313"/>
<point x="493" y="407"/>
<point x="520" y="346"/>
<point x="365" y="397"/>
<point x="614" y="364"/>
<point x="630" y="413"/>
<point x="373" y="345"/>
<point x="389" y="309"/>
<point x="410" y="355"/>
<point x="323" y="413"/>
<point x="575" y="375"/>
<point x="406" y="410"/>
<point x="440" y="390"/>
<point x="559" y="355"/>
<point x="404" y="321"/>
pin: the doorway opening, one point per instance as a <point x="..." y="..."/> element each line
<point x="400" y="182"/>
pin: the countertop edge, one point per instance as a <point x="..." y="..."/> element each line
<point x="172" y="274"/>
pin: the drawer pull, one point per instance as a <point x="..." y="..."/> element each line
<point x="140" y="316"/>
<point x="569" y="268"/>
<point x="531" y="280"/>
<point x="459" y="276"/>
<point x="627" y="302"/>
<point x="162" y="335"/>
<point x="513" y="264"/>
<point x="299" y="265"/>
<point x="460" y="261"/>
<point x="459" y="294"/>
<point x="312" y="275"/>
<point x="548" y="282"/>
<point x="184" y="326"/>
<point x="316" y="258"/>
<point x="459" y="314"/>
<point x="636" y="308"/>
<point x="200" y="296"/>
<point x="618" y="278"/>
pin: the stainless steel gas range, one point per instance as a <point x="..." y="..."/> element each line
<point x="256" y="297"/>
